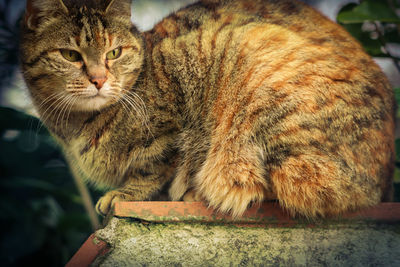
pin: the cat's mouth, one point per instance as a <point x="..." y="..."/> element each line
<point x="94" y="95"/>
<point x="94" y="99"/>
<point x="95" y="102"/>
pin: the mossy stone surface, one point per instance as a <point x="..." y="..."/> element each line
<point x="194" y="244"/>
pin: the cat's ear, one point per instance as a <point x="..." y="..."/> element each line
<point x="119" y="7"/>
<point x="37" y="10"/>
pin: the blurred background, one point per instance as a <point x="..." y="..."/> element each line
<point x="42" y="217"/>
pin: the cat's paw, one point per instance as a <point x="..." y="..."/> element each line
<point x="230" y="181"/>
<point x="234" y="199"/>
<point x="231" y="191"/>
<point x="106" y="202"/>
<point x="192" y="196"/>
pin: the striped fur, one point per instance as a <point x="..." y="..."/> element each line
<point x="233" y="101"/>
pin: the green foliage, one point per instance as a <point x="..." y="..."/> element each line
<point x="43" y="221"/>
<point x="397" y="97"/>
<point x="374" y="23"/>
<point x="369" y="10"/>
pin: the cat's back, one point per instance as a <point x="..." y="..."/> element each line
<point x="212" y="15"/>
<point x="286" y="42"/>
<point x="235" y="60"/>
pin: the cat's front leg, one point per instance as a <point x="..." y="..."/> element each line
<point x="231" y="178"/>
<point x="139" y="185"/>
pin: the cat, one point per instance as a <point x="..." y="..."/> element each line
<point x="228" y="102"/>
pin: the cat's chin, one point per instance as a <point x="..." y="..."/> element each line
<point x="95" y="103"/>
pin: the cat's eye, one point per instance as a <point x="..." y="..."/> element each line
<point x="114" y="54"/>
<point x="70" y="55"/>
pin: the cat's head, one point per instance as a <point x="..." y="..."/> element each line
<point x="84" y="54"/>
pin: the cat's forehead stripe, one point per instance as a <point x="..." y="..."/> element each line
<point x="77" y="40"/>
<point x="92" y="33"/>
<point x="85" y="34"/>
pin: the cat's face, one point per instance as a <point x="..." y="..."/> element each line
<point x="84" y="54"/>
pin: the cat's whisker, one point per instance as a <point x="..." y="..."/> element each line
<point x="132" y="104"/>
<point x="137" y="104"/>
<point x="58" y="110"/>
<point x="72" y="91"/>
<point x="146" y="118"/>
<point x="60" y="107"/>
<point x="71" y="104"/>
<point x="124" y="105"/>
<point x="42" y="104"/>
<point x="139" y="111"/>
<point x="64" y="112"/>
<point x="75" y="83"/>
<point x="45" y="114"/>
<point x="47" y="99"/>
<point x="53" y="97"/>
<point x="83" y="89"/>
<point x="140" y="108"/>
<point x="141" y="103"/>
<point x="137" y="107"/>
<point x="82" y="94"/>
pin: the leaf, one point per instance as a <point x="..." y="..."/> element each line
<point x="16" y="120"/>
<point x="371" y="46"/>
<point x="392" y="35"/>
<point x="396" y="192"/>
<point x="397" y="144"/>
<point x="29" y="182"/>
<point x="368" y="10"/>
<point x="397" y="97"/>
<point x="396" y="175"/>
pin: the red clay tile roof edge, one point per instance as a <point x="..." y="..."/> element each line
<point x="88" y="252"/>
<point x="266" y="213"/>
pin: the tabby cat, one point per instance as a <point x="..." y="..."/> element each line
<point x="231" y="102"/>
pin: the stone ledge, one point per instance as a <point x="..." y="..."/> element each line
<point x="190" y="234"/>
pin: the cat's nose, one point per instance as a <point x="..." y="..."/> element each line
<point x="98" y="81"/>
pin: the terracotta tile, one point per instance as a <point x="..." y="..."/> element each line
<point x="89" y="251"/>
<point x="268" y="213"/>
